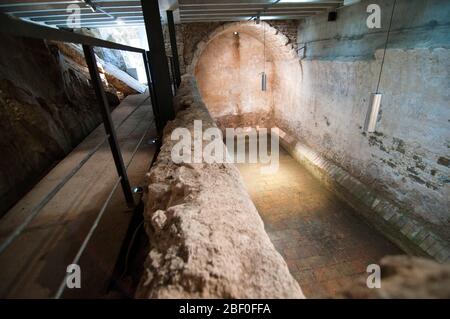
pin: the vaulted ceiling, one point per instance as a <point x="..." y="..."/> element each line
<point x="117" y="13"/>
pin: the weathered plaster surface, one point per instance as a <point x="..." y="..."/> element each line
<point x="190" y="35"/>
<point x="411" y="235"/>
<point x="228" y="67"/>
<point x="206" y="237"/>
<point x="405" y="159"/>
<point x="321" y="96"/>
<point x="229" y="76"/>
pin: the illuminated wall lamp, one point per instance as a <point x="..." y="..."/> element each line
<point x="263" y="81"/>
<point x="372" y="112"/>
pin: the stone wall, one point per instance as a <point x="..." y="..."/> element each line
<point x="406" y="160"/>
<point x="229" y="73"/>
<point x="288" y="28"/>
<point x="206" y="237"/>
<point x="397" y="176"/>
<point x="189" y="35"/>
<point x="412" y="236"/>
<point x="46" y="108"/>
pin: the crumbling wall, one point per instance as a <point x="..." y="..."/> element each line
<point x="47" y="107"/>
<point x="206" y="237"/>
<point x="287" y="28"/>
<point x="188" y="35"/>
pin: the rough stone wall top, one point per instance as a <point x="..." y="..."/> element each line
<point x="207" y="239"/>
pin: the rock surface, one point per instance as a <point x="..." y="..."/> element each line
<point x="206" y="237"/>
<point x="113" y="77"/>
<point x="405" y="277"/>
<point x="46" y="108"/>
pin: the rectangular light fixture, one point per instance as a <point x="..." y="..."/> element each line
<point x="372" y="113"/>
<point x="263" y="81"/>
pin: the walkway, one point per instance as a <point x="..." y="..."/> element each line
<point x="324" y="244"/>
<point x="35" y="263"/>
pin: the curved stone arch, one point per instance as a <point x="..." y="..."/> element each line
<point x="277" y="43"/>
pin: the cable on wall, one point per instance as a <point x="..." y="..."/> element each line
<point x="263" y="74"/>
<point x="372" y="115"/>
<point x="385" y="44"/>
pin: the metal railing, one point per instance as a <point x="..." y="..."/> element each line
<point x="172" y="72"/>
<point x="16" y="27"/>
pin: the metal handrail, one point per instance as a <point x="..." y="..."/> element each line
<point x="17" y="27"/>
<point x="36" y="209"/>
<point x="83" y="246"/>
<point x="86" y="240"/>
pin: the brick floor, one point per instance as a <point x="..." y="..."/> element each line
<point x="325" y="244"/>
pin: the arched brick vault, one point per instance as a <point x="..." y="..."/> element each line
<point x="279" y="52"/>
<point x="277" y="43"/>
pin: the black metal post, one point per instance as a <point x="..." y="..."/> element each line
<point x="151" y="92"/>
<point x="173" y="45"/>
<point x="172" y="75"/>
<point x="107" y="122"/>
<point x="158" y="62"/>
<point x="175" y="82"/>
